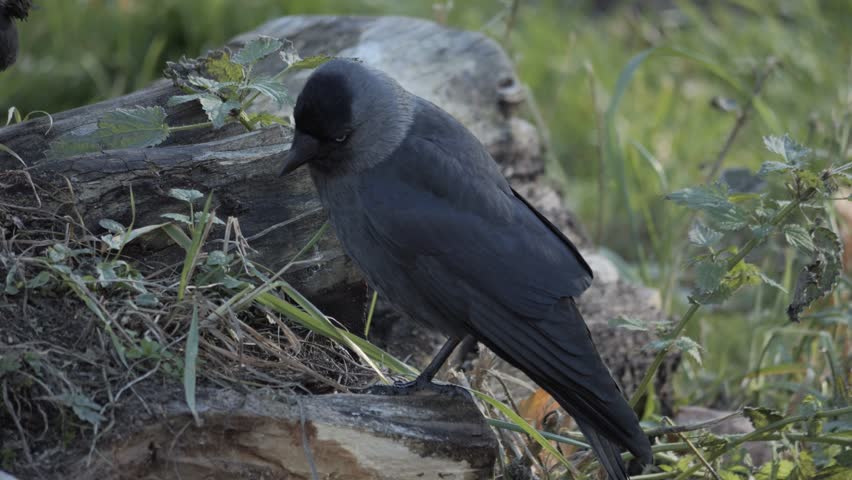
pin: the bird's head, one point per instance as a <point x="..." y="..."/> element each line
<point x="348" y="117"/>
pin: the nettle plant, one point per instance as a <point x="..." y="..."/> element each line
<point x="794" y="207"/>
<point x="224" y="83"/>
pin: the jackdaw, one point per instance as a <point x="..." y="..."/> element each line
<point x="424" y="212"/>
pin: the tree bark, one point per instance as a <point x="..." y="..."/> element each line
<point x="428" y="436"/>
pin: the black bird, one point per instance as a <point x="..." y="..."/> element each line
<point x="423" y="210"/>
<point x="10" y="10"/>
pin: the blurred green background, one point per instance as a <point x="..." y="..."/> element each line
<point x="571" y="54"/>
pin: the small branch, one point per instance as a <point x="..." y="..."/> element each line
<point x="660" y="431"/>
<point x="192" y="126"/>
<point x="697" y="452"/>
<point x="771" y="64"/>
<point x="732" y="262"/>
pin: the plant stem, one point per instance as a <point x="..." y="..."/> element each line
<point x="741" y="120"/>
<point x="192" y="126"/>
<point x="732" y="262"/>
<point x="244" y="119"/>
<point x="757" y="434"/>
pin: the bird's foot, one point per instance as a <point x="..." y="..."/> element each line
<point x="416" y="387"/>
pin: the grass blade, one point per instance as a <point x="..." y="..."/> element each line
<point x="190" y="363"/>
<point x="199" y="233"/>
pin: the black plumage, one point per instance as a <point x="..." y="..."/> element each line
<point x="423" y="210"/>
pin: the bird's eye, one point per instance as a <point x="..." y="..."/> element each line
<point x="341" y="138"/>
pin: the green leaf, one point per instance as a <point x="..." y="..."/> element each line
<point x="798" y="237"/>
<point x="256" y="49"/>
<point x="218" y="111"/>
<point x="266" y="119"/>
<point x="703" y="235"/>
<point x="773" y="167"/>
<point x="772" y="283"/>
<point x="721" y="213"/>
<point x="190" y="363"/>
<point x="775" y="470"/>
<point x="194" y="251"/>
<point x="39" y="280"/>
<point x="817" y="278"/>
<point x="217" y="258"/>
<point x="85" y="409"/>
<point x="136" y="127"/>
<point x="269" y="87"/>
<point x="762" y="416"/>
<point x="708" y="276"/>
<point x="788" y="148"/>
<point x="106" y="273"/>
<point x="11" y="283"/>
<point x="178" y="217"/>
<point x="205" y="83"/>
<point x="627" y="323"/>
<point x="178" y="236"/>
<point x="689" y="347"/>
<point x="111" y="225"/>
<point x="178" y="99"/>
<point x="146" y="300"/>
<point x="58" y="252"/>
<point x="306" y="63"/>
<point x="224" y="69"/>
<point x="185" y="195"/>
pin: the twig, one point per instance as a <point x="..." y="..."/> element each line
<point x="510" y="22"/>
<point x="11" y="409"/>
<point x="660" y="431"/>
<point x="697" y="453"/>
<point x="771" y="64"/>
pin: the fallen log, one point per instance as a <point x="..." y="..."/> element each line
<point x="427" y="436"/>
<point x="464" y="72"/>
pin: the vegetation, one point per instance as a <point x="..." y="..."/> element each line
<point x="645" y="108"/>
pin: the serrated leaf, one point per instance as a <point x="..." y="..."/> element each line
<point x="225" y="68"/>
<point x="792" y="151"/>
<point x="708" y="276"/>
<point x="775" y="470"/>
<point x="773" y="167"/>
<point x="271" y="88"/>
<point x="627" y="323"/>
<point x="307" y="63"/>
<point x="136" y="127"/>
<point x="204" y="83"/>
<point x="178" y="99"/>
<point x="772" y="283"/>
<point x="178" y="217"/>
<point x="217" y="111"/>
<point x="689" y="347"/>
<point x="721" y="213"/>
<point x="798" y="237"/>
<point x="762" y="416"/>
<point x="704" y="236"/>
<point x="39" y="280"/>
<point x="256" y="49"/>
<point x="185" y="195"/>
<point x="111" y="225"/>
<point x="817" y="278"/>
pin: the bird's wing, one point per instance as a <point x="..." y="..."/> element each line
<point x="481" y="254"/>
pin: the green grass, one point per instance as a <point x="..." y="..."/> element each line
<point x="661" y="137"/>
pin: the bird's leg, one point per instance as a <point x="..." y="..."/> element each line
<point x="424" y="380"/>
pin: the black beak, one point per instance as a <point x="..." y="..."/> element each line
<point x="302" y="151"/>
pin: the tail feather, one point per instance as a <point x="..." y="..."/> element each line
<point x="608" y="454"/>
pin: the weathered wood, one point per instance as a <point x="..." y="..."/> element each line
<point x="279" y="437"/>
<point x="464" y="72"/>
